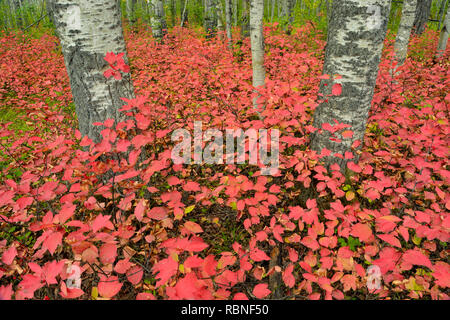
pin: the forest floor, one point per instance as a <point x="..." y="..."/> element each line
<point x="217" y="231"/>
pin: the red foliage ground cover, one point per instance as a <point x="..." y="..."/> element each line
<point x="162" y="231"/>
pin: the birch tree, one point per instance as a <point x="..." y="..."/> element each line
<point x="355" y="41"/>
<point x="404" y="31"/>
<point x="210" y="18"/>
<point x="88" y="30"/>
<point x="423" y="11"/>
<point x="257" y="45"/>
<point x="158" y="19"/>
<point x="287" y="14"/>
<point x="228" y="17"/>
<point x="445" y="32"/>
<point x="245" y="18"/>
<point x="131" y="10"/>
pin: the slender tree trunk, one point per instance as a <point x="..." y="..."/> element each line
<point x="88" y="30"/>
<point x="445" y="32"/>
<point x="423" y="11"/>
<point x="235" y="12"/>
<point x="173" y="12"/>
<point x="219" y="17"/>
<point x="287" y="14"/>
<point x="158" y="19"/>
<point x="442" y="13"/>
<point x="131" y="11"/>
<point x="184" y="13"/>
<point x="404" y="31"/>
<point x="245" y="20"/>
<point x="272" y="10"/>
<point x="355" y="41"/>
<point x="210" y="18"/>
<point x="257" y="44"/>
<point x="228" y="17"/>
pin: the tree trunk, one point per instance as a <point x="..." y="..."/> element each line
<point x="287" y="14"/>
<point x="445" y="32"/>
<point x="355" y="41"/>
<point x="245" y="20"/>
<point x="184" y="13"/>
<point x="228" y="17"/>
<point x="219" y="16"/>
<point x="404" y="31"/>
<point x="210" y="18"/>
<point x="441" y="13"/>
<point x="272" y="10"/>
<point x="131" y="11"/>
<point x="257" y="45"/>
<point x="173" y="12"/>
<point x="423" y="11"/>
<point x="158" y="19"/>
<point x="235" y="12"/>
<point x="88" y="30"/>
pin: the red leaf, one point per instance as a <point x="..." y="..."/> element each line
<point x="157" y="213"/>
<point x="122" y="266"/>
<point x="134" y="275"/>
<point x="6" y="292"/>
<point x="362" y="231"/>
<point x="389" y="238"/>
<point x="139" y="210"/>
<point x="108" y="253"/>
<point x="288" y="278"/>
<point x="165" y="268"/>
<point x="52" y="241"/>
<point x="108" y="287"/>
<point x="261" y="291"/>
<point x="337" y="89"/>
<point x="414" y="256"/>
<point x="9" y="255"/>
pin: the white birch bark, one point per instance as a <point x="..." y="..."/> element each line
<point x="257" y="45"/>
<point x="184" y="13"/>
<point x="210" y="18"/>
<point x="445" y="32"/>
<point x="404" y="30"/>
<point x="87" y="31"/>
<point x="355" y="41"/>
<point x="228" y="17"/>
<point x="158" y="19"/>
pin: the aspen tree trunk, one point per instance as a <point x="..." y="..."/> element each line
<point x="404" y="31"/>
<point x="87" y="31"/>
<point x="131" y="11"/>
<point x="235" y="12"/>
<point x="272" y="10"/>
<point x="210" y="18"/>
<point x="184" y="13"/>
<point x="441" y="13"/>
<point x="228" y="17"/>
<point x="287" y="14"/>
<point x="257" y="45"/>
<point x="158" y="19"/>
<point x="219" y="17"/>
<point x="245" y="19"/>
<point x="423" y="11"/>
<point x="355" y="41"/>
<point x="173" y="12"/>
<point x="445" y="32"/>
